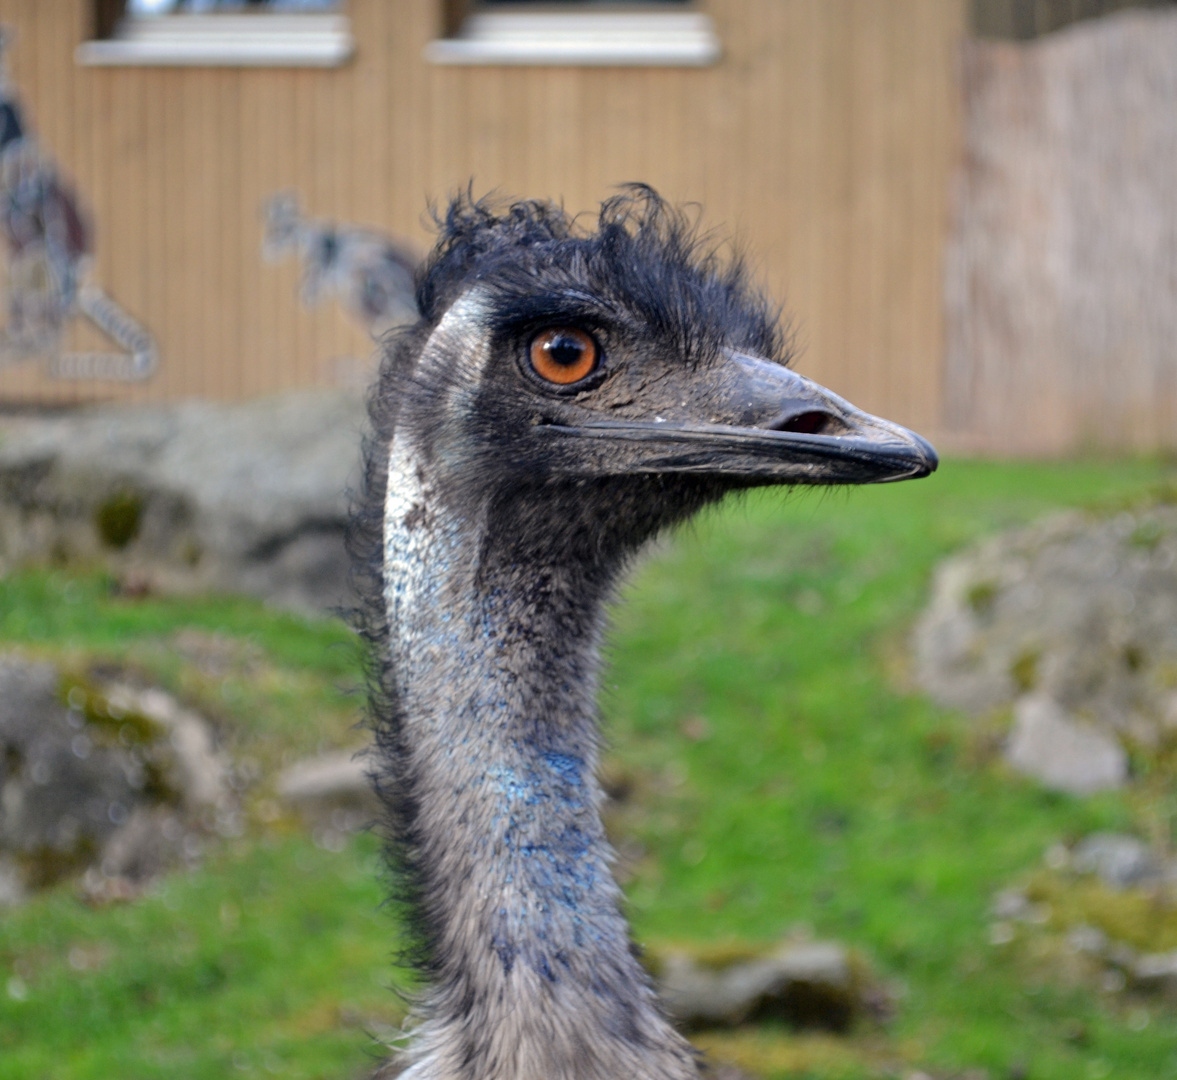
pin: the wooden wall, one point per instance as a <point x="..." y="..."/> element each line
<point x="826" y="139"/>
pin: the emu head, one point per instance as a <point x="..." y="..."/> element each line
<point x="585" y="389"/>
<point x="564" y="396"/>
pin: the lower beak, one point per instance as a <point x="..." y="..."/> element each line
<point x="780" y="428"/>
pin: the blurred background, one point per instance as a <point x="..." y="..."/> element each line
<point x="911" y="751"/>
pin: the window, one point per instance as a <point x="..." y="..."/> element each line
<point x="584" y="32"/>
<point x="220" y="33"/>
<point x="136" y="8"/>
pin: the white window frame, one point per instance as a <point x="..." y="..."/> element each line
<point x="593" y="38"/>
<point x="225" y="39"/>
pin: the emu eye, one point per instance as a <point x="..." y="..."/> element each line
<point x="563" y="355"/>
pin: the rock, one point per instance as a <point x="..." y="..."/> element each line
<point x="1089" y="940"/>
<point x="200" y="773"/>
<point x="1013" y="905"/>
<point x="106" y="785"/>
<point x="332" y="791"/>
<point x="12" y="886"/>
<point x="246" y="497"/>
<point x="1051" y="746"/>
<point x="1156" y="973"/>
<point x="1075" y="610"/>
<point x="1118" y="860"/>
<point x="808" y="984"/>
<point x="1016" y="1072"/>
<point x="1010" y="904"/>
<point x="143" y="847"/>
<point x="62" y="795"/>
<point x="720" y="1070"/>
<point x="340" y="780"/>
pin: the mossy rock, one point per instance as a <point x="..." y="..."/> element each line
<point x="89" y="779"/>
<point x="818" y="985"/>
<point x="1144" y="918"/>
<point x="1079" y="609"/>
<point x="118" y="518"/>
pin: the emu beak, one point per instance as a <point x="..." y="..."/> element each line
<point x="767" y="425"/>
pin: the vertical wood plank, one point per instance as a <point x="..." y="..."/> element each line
<point x="825" y="138"/>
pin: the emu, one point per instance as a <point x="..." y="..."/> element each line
<point x="566" y="395"/>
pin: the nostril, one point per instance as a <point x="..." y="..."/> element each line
<point x="807" y="423"/>
<point x="810" y="422"/>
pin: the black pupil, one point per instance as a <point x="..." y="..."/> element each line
<point x="565" y="350"/>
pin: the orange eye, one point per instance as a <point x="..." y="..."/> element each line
<point x="563" y="355"/>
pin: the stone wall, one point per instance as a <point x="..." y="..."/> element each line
<point x="250" y="497"/>
<point x="1061" y="274"/>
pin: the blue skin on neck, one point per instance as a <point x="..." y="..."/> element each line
<point x="514" y="744"/>
<point x="558" y="897"/>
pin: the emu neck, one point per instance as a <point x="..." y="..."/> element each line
<point x="494" y="669"/>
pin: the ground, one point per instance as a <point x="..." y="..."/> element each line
<point x="780" y="769"/>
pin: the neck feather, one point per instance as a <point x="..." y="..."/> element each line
<point x="494" y="670"/>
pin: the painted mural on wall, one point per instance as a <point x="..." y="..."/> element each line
<point x="369" y="273"/>
<point x="49" y="257"/>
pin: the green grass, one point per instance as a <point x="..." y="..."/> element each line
<point x="784" y="771"/>
<point x="271" y="960"/>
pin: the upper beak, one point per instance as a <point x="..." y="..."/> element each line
<point x="769" y="426"/>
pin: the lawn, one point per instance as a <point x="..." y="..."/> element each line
<point x="784" y="771"/>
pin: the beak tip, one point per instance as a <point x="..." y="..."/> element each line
<point x="931" y="460"/>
